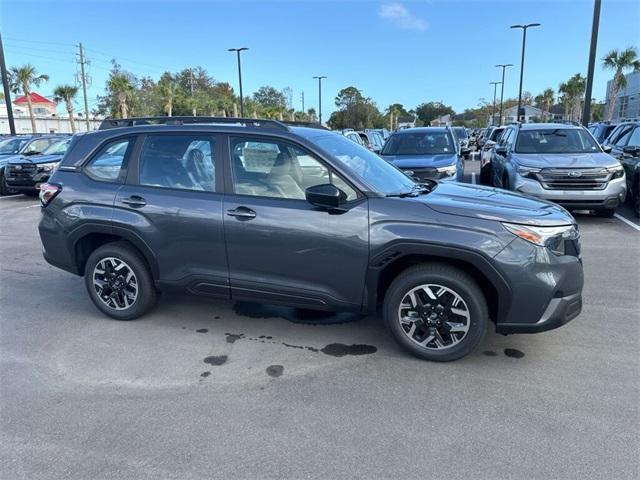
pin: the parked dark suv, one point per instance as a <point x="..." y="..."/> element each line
<point x="260" y="211"/>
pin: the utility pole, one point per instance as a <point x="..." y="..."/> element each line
<point x="302" y="96"/>
<point x="320" y="97"/>
<point x="524" y="43"/>
<point x="193" y="105"/>
<point x="84" y="87"/>
<point x="7" y="90"/>
<point x="238" y="50"/>
<point x="493" y="111"/>
<point x="504" y="66"/>
<point x="586" y="111"/>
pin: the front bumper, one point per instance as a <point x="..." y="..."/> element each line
<point x="546" y="288"/>
<point x="25" y="181"/>
<point x="609" y="197"/>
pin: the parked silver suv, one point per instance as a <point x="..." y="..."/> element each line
<point x="561" y="163"/>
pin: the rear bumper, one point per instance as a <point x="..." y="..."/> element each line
<point x="560" y="311"/>
<point x="609" y="197"/>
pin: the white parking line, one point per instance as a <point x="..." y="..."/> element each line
<point x="10" y="196"/>
<point x="628" y="222"/>
<point x="473" y="178"/>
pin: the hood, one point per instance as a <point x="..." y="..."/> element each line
<point x="494" y="204"/>
<point x="35" y="159"/>
<point x="4" y="159"/>
<point x="565" y="160"/>
<point x="422" y="161"/>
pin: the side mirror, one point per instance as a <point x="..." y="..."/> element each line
<point x="325" y="196"/>
<point x="607" y="148"/>
<point x="502" y="151"/>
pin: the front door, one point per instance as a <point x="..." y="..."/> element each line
<point x="280" y="247"/>
<point x="173" y="199"/>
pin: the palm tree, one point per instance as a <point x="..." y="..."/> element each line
<point x="22" y="78"/>
<point x="572" y="90"/>
<point x="619" y="61"/>
<point x="66" y="93"/>
<point x="121" y="87"/>
<point x="547" y="98"/>
<point x="168" y="91"/>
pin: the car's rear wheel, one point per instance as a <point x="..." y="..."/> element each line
<point x="485" y="174"/>
<point x="119" y="282"/>
<point x="436" y="312"/>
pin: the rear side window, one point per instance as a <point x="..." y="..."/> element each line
<point x="184" y="162"/>
<point x="634" y="140"/>
<point x="621" y="141"/>
<point x="107" y="163"/>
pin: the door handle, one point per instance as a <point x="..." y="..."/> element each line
<point x="134" y="201"/>
<point x="242" y="212"/>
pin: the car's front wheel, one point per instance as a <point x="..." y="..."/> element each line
<point x="119" y="282"/>
<point x="4" y="188"/>
<point x="436" y="312"/>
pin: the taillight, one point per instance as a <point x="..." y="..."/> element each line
<point x="48" y="192"/>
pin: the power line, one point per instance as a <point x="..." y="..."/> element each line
<point x="41" y="42"/>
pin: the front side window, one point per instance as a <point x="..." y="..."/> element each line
<point x="184" y="162"/>
<point x="11" y="146"/>
<point x="634" y="140"/>
<point x="58" y="148"/>
<point x="279" y="170"/>
<point x="557" y="140"/>
<point x="106" y="165"/>
<point x="419" y="143"/>
<point x="621" y="141"/>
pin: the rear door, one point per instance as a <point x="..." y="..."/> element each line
<point x="280" y="247"/>
<point x="172" y="200"/>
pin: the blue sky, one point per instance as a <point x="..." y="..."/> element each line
<point x="395" y="51"/>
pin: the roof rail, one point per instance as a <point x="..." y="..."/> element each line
<point x="135" y="121"/>
<point x="296" y="123"/>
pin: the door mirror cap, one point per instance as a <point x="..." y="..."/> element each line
<point x="606" y="148"/>
<point x="326" y="196"/>
<point x="501" y="151"/>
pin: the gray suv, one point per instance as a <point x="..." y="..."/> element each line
<point x="261" y="211"/>
<point x="561" y="163"/>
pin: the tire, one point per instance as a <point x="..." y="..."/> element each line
<point x="131" y="300"/>
<point x="606" y="213"/>
<point x="4" y="188"/>
<point x="505" y="182"/>
<point x="454" y="282"/>
<point x="31" y="193"/>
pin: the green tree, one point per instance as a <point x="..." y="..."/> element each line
<point x="168" y="91"/>
<point x="431" y="110"/>
<point x="619" y="62"/>
<point x="545" y="100"/>
<point x="67" y="93"/>
<point x="21" y="79"/>
<point x="572" y="92"/>
<point x="272" y="103"/>
<point x="355" y="111"/>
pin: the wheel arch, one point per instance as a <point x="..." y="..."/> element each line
<point x="390" y="263"/>
<point x="87" y="239"/>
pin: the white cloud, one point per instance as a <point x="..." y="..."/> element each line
<point x="401" y="17"/>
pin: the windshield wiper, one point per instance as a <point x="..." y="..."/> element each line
<point x="418" y="189"/>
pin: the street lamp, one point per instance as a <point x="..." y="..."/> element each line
<point x="504" y="66"/>
<point x="238" y="50"/>
<point x="493" y="112"/>
<point x="524" y="41"/>
<point x="320" y="98"/>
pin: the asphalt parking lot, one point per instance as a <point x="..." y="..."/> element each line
<point x="200" y="389"/>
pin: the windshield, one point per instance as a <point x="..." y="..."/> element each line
<point x="420" y="143"/>
<point x="558" y="140"/>
<point x="11" y="145"/>
<point x="57" y="148"/>
<point x="36" y="147"/>
<point x="379" y="174"/>
<point x="461" y="133"/>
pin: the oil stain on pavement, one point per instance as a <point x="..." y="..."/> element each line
<point x="216" y="360"/>
<point x="275" y="370"/>
<point x="513" y="353"/>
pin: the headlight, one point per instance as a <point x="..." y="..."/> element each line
<point x="617" y="171"/>
<point x="447" y="171"/>
<point x="527" y="171"/>
<point x="48" y="167"/>
<point x="551" y="237"/>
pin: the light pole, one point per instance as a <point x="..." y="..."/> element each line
<point x="493" y="111"/>
<point x="238" y="50"/>
<point x="586" y="110"/>
<point x="320" y="98"/>
<point x="524" y="42"/>
<point x="503" y="66"/>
